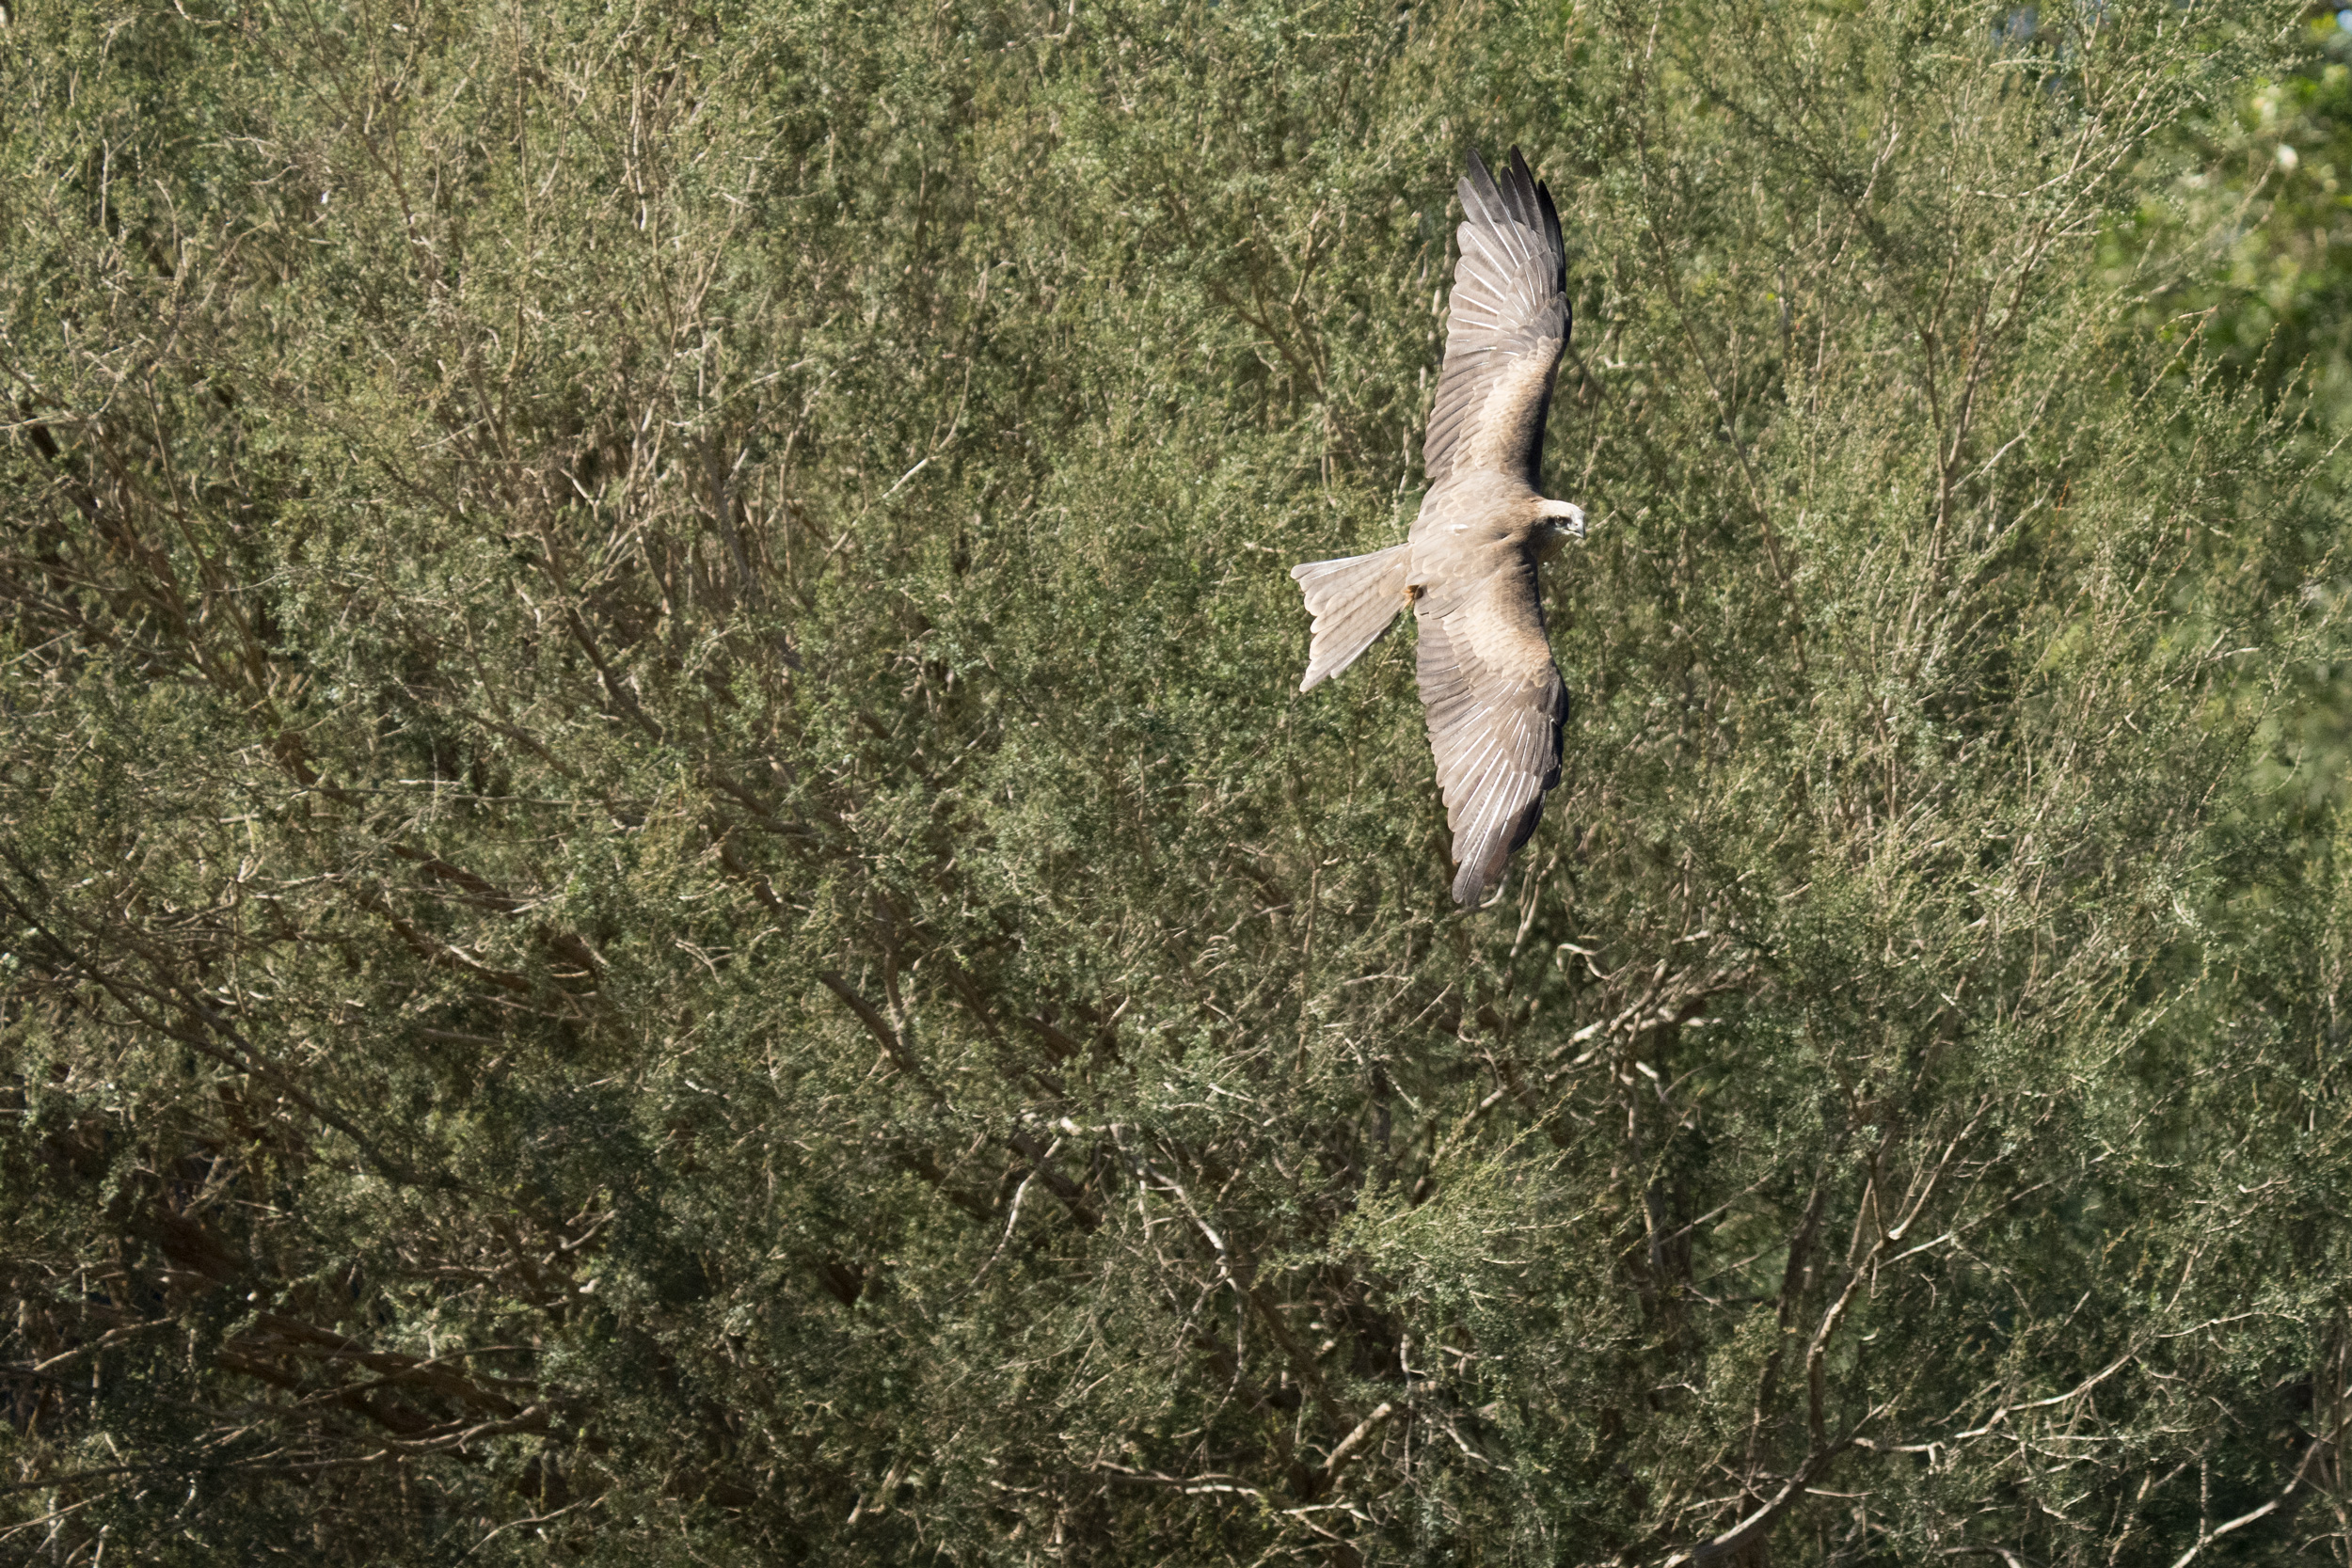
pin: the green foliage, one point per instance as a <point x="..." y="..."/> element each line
<point x="664" y="895"/>
<point x="2257" y="182"/>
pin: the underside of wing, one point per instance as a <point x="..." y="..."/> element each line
<point x="1495" y="707"/>
<point x="1505" y="329"/>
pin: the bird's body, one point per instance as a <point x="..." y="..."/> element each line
<point x="1494" y="698"/>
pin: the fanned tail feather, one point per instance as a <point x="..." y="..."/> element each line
<point x="1353" y="600"/>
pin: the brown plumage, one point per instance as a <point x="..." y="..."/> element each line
<point x="1494" y="700"/>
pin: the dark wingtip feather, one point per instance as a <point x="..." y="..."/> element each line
<point x="1475" y="178"/>
<point x="1544" y="217"/>
<point x="1522" y="191"/>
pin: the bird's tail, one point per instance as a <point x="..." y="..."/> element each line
<point x="1353" y="600"/>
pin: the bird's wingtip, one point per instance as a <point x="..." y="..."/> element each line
<point x="1470" y="888"/>
<point x="1477" y="186"/>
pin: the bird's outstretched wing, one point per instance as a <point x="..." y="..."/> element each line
<point x="1495" y="705"/>
<point x="1507" y="327"/>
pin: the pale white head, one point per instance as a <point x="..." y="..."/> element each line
<point x="1562" y="519"/>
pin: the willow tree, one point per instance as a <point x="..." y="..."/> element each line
<point x="665" y="895"/>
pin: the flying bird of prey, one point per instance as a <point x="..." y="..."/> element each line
<point x="1494" y="698"/>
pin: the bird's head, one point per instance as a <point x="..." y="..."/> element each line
<point x="1561" y="520"/>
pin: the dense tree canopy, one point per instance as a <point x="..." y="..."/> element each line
<point x="664" y="895"/>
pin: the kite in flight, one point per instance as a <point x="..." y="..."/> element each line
<point x="1494" y="698"/>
